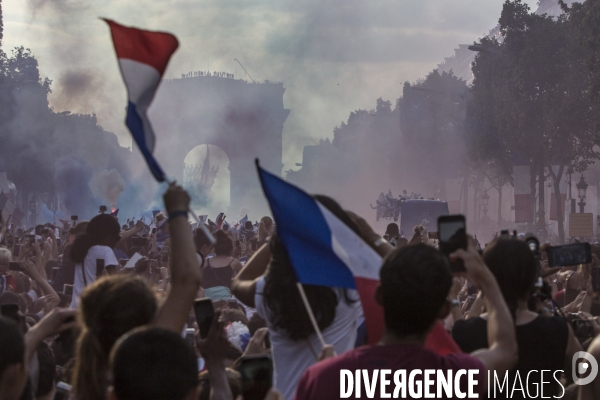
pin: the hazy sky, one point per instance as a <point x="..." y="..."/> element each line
<point x="333" y="56"/>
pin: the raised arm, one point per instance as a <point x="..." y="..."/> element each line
<point x="186" y="275"/>
<point x="243" y="286"/>
<point x="502" y="354"/>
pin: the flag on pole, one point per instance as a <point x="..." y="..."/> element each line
<point x="143" y="57"/>
<point x="314" y="238"/>
<point x="324" y="251"/>
<point x="219" y="220"/>
<point x="243" y="220"/>
<point x="115" y="213"/>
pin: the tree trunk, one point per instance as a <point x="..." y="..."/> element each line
<point x="560" y="207"/>
<point x="499" y="204"/>
<point x="541" y="197"/>
<point x="532" y="182"/>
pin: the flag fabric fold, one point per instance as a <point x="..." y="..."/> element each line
<point x="322" y="249"/>
<point x="143" y="57"/>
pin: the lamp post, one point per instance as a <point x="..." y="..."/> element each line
<point x="485" y="198"/>
<point x="581" y="189"/>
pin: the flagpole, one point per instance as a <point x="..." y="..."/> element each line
<point x="313" y="320"/>
<point x="198" y="220"/>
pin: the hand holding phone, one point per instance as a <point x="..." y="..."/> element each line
<point x="204" y="311"/>
<point x="257" y="376"/>
<point x="452" y="235"/>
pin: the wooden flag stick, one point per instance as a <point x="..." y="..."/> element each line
<point x="310" y="314"/>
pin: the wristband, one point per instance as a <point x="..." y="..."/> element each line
<point x="379" y="242"/>
<point x="178" y="213"/>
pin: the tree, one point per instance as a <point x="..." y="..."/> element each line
<point x="432" y="115"/>
<point x="532" y="99"/>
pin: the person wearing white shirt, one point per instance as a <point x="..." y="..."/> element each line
<point x="102" y="234"/>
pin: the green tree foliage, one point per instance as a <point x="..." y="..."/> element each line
<point x="35" y="138"/>
<point x="432" y="115"/>
<point x="530" y="96"/>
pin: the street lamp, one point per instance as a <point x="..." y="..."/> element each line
<point x="581" y="189"/>
<point x="485" y="198"/>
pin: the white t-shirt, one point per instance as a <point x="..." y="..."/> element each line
<point x="292" y="358"/>
<point x="95" y="252"/>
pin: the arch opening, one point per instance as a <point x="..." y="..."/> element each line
<point x="207" y="178"/>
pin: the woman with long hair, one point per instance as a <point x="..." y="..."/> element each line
<point x="265" y="230"/>
<point x="112" y="306"/>
<point x="220" y="269"/>
<point x="545" y="343"/>
<point x="268" y="283"/>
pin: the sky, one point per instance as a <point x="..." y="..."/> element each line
<point x="333" y="56"/>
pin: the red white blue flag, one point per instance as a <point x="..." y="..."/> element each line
<point x="143" y="57"/>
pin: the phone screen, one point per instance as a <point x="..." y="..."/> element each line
<point x="452" y="234"/>
<point x="15" y="266"/>
<point x="68" y="289"/>
<point x="99" y="267"/>
<point x="16" y="250"/>
<point x="256" y="372"/>
<point x="569" y="254"/>
<point x="203" y="308"/>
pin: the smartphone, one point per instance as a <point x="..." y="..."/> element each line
<point x="569" y="254"/>
<point x="257" y="375"/>
<point x="10" y="311"/>
<point x="189" y="336"/>
<point x="99" y="267"/>
<point x="17" y="250"/>
<point x="15" y="266"/>
<point x="203" y="308"/>
<point x="68" y="290"/>
<point x="582" y="328"/>
<point x="74" y="217"/>
<point x="596" y="279"/>
<point x="452" y="234"/>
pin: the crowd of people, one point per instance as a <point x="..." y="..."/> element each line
<point x="98" y="310"/>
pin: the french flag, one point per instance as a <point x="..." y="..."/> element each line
<point x="324" y="251"/>
<point x="143" y="57"/>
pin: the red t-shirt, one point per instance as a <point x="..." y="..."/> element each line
<point x="322" y="380"/>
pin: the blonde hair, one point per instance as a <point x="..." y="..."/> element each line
<point x="5" y="256"/>
<point x="265" y="228"/>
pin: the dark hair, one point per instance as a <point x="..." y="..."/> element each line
<point x="100" y="228"/>
<point x="392" y="229"/>
<point x="154" y="363"/>
<point x="200" y="239"/>
<point x="281" y="296"/>
<point x="248" y="225"/>
<point x="415" y="281"/>
<point x="13" y="344"/>
<point x="513" y="264"/>
<point x="47" y="369"/>
<point x="224" y="244"/>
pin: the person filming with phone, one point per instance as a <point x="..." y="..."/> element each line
<point x="545" y="343"/>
